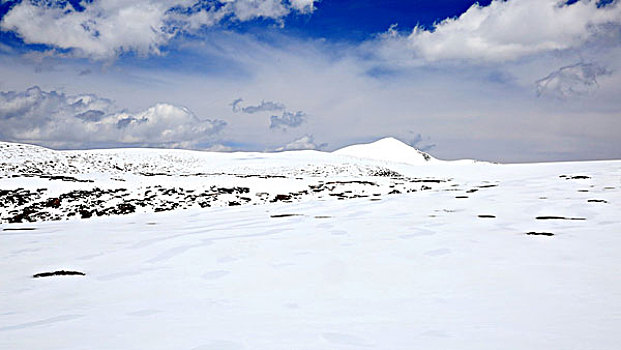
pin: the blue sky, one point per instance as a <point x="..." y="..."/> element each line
<point x="510" y="81"/>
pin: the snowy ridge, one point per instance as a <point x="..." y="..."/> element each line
<point x="65" y="184"/>
<point x="23" y="158"/>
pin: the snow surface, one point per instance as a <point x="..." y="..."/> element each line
<point x="418" y="270"/>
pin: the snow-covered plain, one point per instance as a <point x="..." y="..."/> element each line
<point x="464" y="255"/>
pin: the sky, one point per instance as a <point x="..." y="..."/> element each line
<point x="504" y="81"/>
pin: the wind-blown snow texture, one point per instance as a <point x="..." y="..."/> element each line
<point x="338" y="252"/>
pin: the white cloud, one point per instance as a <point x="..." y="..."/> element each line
<point x="464" y="108"/>
<point x="53" y="118"/>
<point x="507" y="30"/>
<point x="264" y="106"/>
<point x="306" y="142"/>
<point x="287" y="120"/>
<point x="219" y="148"/>
<point x="568" y="81"/>
<point x="303" y="6"/>
<point x="106" y="28"/>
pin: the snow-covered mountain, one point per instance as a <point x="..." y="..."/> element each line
<point x="389" y="150"/>
<point x="368" y="247"/>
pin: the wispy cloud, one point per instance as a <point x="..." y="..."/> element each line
<point x="417" y="141"/>
<point x="572" y="80"/>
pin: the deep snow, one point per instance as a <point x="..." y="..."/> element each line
<point x="408" y="271"/>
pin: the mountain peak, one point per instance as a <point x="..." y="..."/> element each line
<point x="387" y="149"/>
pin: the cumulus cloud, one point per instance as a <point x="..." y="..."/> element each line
<point x="507" y="30"/>
<point x="287" y="120"/>
<point x="264" y="106"/>
<point x="576" y="79"/>
<point x="305" y="142"/>
<point x="59" y="120"/>
<point x="104" y="29"/>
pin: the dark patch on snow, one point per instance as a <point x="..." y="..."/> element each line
<point x="487" y="216"/>
<point x="551" y="217"/>
<point x="575" y="177"/>
<point x="532" y="233"/>
<point x="59" y="273"/>
<point x="284" y="215"/>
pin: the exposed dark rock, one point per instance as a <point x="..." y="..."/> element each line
<point x="597" y="201"/>
<point x="435" y="181"/>
<point x="351" y="182"/>
<point x="52" y="203"/>
<point x="284" y="215"/>
<point x="385" y="173"/>
<point x="557" y="218"/>
<point x="539" y="233"/>
<point x="487" y="216"/>
<point x="59" y="273"/>
<point x="281" y="197"/>
<point x="125" y="208"/>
